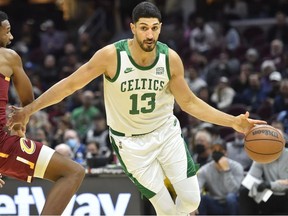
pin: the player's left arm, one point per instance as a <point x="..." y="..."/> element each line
<point x="196" y="107"/>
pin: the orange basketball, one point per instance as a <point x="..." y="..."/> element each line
<point x="264" y="143"/>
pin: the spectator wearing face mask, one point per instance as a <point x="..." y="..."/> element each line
<point x="202" y="147"/>
<point x="235" y="150"/>
<point x="71" y="138"/>
<point x="219" y="181"/>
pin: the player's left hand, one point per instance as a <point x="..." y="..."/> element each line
<point x="243" y="123"/>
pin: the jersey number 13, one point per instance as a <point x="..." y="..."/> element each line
<point x="149" y="98"/>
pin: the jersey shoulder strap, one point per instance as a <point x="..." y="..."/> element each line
<point x="162" y="48"/>
<point x="121" y="45"/>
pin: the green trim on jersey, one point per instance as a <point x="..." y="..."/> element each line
<point x="138" y="66"/>
<point x="122" y="45"/>
<point x="163" y="48"/>
<point x="144" y="191"/>
<point x="118" y="67"/>
<point x="167" y="66"/>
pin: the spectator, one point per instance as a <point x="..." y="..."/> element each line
<point x="202" y="147"/>
<point x="41" y="136"/>
<point x="223" y="94"/>
<point x="99" y="133"/>
<point x="253" y="58"/>
<point x="231" y="38"/>
<point x="194" y="81"/>
<point x="221" y="66"/>
<point x="38" y="120"/>
<point x="267" y="67"/>
<point x="254" y="95"/>
<point x="82" y="117"/>
<point x="64" y="150"/>
<point x="202" y="37"/>
<point x="92" y="149"/>
<point x="62" y="123"/>
<point x="281" y="100"/>
<point x="240" y="82"/>
<point x="199" y="62"/>
<point x="52" y="40"/>
<point x="277" y="54"/>
<point x="270" y="82"/>
<point x="85" y="47"/>
<point x="283" y="118"/>
<point x="275" y="80"/>
<point x="28" y="41"/>
<point x="49" y="71"/>
<point x="67" y="68"/>
<point x="220" y="180"/>
<point x="71" y="138"/>
<point x="273" y="176"/>
<point x="236" y="151"/>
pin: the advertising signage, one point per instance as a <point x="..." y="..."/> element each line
<point x="98" y="195"/>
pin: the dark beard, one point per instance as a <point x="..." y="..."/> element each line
<point x="148" y="48"/>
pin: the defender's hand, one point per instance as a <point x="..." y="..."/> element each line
<point x="17" y="118"/>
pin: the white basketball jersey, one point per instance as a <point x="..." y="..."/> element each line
<point x="137" y="99"/>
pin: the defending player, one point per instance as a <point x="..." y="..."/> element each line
<point x="20" y="157"/>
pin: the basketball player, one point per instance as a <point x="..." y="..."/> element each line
<point x="20" y="157"/>
<point x="142" y="77"/>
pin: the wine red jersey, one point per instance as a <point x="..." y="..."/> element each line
<point x="18" y="155"/>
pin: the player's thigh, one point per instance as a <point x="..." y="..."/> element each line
<point x="60" y="166"/>
<point x="19" y="157"/>
<point x="138" y="157"/>
<point x="176" y="159"/>
<point x="150" y="179"/>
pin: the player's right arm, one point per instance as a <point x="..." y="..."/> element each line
<point x="99" y="64"/>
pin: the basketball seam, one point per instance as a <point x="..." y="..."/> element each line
<point x="262" y="153"/>
<point x="251" y="140"/>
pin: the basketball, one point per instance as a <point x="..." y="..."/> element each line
<point x="264" y="143"/>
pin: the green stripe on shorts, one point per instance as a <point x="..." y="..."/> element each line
<point x="192" y="168"/>
<point x="144" y="191"/>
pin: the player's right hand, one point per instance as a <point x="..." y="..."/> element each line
<point x="17" y="118"/>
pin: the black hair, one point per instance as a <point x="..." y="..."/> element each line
<point x="3" y="16"/>
<point x="145" y="10"/>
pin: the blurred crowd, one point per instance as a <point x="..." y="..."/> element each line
<point x="231" y="62"/>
